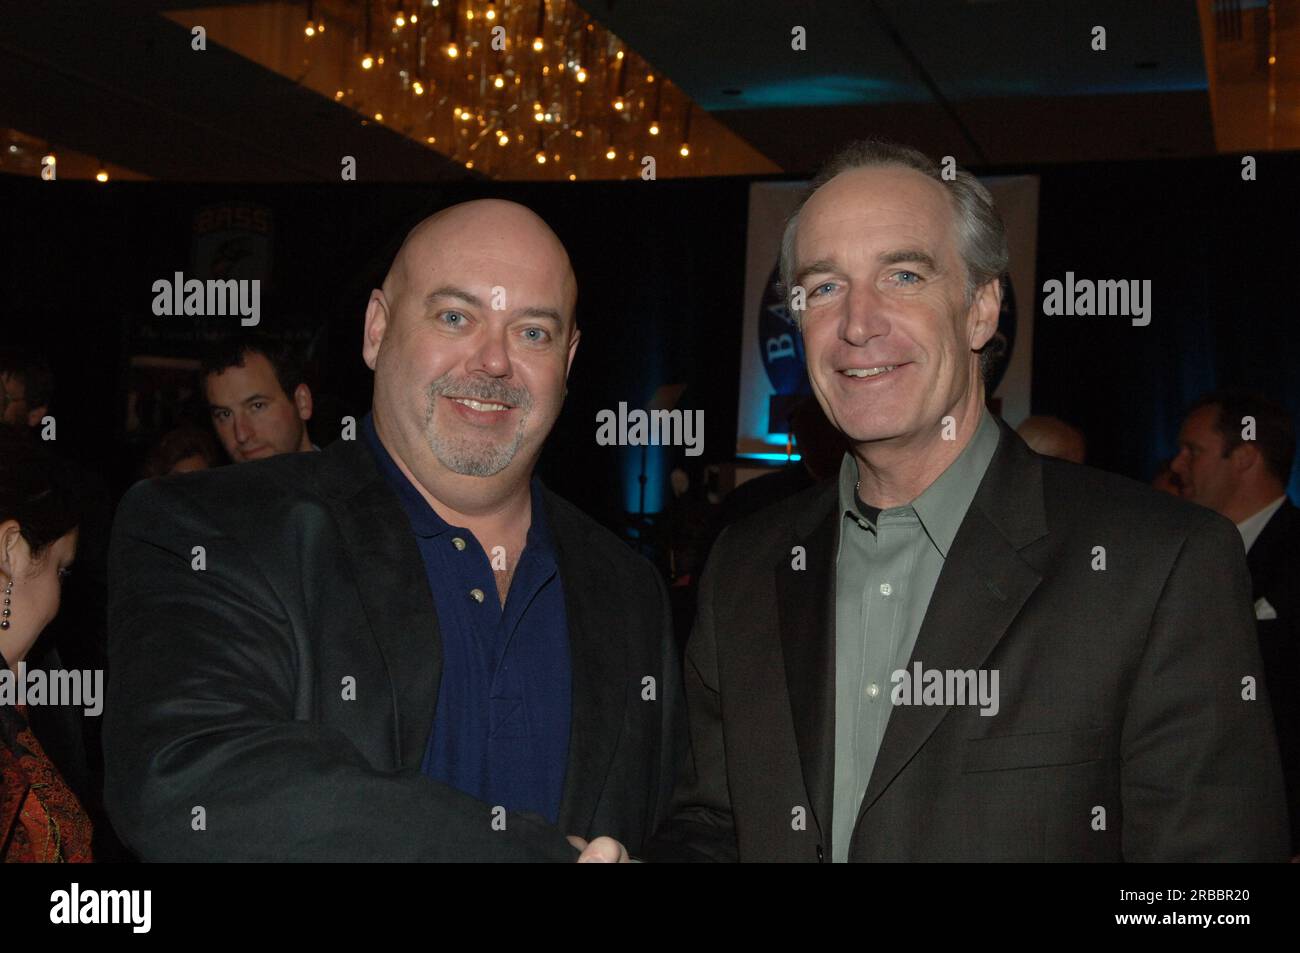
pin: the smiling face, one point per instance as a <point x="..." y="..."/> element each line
<point x="889" y="338"/>
<point x="471" y="340"/>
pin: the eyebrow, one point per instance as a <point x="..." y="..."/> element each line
<point x="898" y="256"/>
<point x="448" y="291"/>
<point x="460" y="294"/>
<point x="246" y="400"/>
<point x="909" y="255"/>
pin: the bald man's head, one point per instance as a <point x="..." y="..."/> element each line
<point x="1054" y="438"/>
<point x="502" y="225"/>
<point x="471" y="338"/>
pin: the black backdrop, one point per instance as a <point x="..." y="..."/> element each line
<point x="661" y="271"/>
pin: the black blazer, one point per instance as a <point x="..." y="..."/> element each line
<point x="226" y="689"/>
<point x="1274" y="563"/>
<point x="1120" y="689"/>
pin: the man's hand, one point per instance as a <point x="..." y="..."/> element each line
<point x="602" y="850"/>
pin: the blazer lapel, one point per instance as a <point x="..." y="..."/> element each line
<point x="982" y="587"/>
<point x="389" y="574"/>
<point x="598" y="660"/>
<point x="806" y="617"/>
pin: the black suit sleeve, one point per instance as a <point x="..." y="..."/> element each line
<point x="202" y="713"/>
<point x="1200" y="774"/>
<point x="700" y="826"/>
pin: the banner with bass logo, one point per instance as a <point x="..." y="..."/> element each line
<point x="773" y="376"/>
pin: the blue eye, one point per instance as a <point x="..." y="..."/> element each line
<point x="913" y="274"/>
<point x="536" y="335"/>
<point x="447" y="317"/>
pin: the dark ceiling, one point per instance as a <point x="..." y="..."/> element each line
<point x="114" y="79"/>
<point x="993" y="82"/>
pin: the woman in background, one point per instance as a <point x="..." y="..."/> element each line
<point x="41" y="820"/>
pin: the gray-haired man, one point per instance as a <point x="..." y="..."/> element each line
<point x="961" y="650"/>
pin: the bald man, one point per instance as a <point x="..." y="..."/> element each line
<point x="1053" y="437"/>
<point x="403" y="647"/>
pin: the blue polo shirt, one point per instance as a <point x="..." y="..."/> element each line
<point x="501" y="728"/>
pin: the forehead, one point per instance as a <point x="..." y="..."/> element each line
<point x="880" y="204"/>
<point x="255" y="371"/>
<point x="1201" y="424"/>
<point x="533" y="271"/>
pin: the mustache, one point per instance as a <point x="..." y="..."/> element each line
<point x="478" y="388"/>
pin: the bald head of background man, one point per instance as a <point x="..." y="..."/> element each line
<point x="1054" y="438"/>
<point x="471" y="339"/>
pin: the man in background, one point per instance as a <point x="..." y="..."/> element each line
<point x="26" y="384"/>
<point x="1235" y="455"/>
<point x="1053" y="437"/>
<point x="258" y="398"/>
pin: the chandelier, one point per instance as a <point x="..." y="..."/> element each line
<point x="512" y="89"/>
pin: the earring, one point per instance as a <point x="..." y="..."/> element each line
<point x="4" y="622"/>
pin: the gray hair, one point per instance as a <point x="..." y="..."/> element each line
<point x="981" y="236"/>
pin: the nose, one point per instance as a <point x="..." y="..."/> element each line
<point x="1179" y="463"/>
<point x="243" y="429"/>
<point x="491" y="356"/>
<point x="865" y="315"/>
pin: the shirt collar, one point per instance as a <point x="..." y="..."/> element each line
<point x="942" y="506"/>
<point x="1252" y="526"/>
<point x="425" y="520"/>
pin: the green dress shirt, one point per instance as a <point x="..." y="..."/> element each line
<point x="885" y="573"/>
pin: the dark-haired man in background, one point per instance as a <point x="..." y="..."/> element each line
<point x="1235" y="454"/>
<point x="26" y="384"/>
<point x="259" y="401"/>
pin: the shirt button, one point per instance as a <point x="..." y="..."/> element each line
<point x="873" y="690"/>
<point x="477" y="594"/>
<point x="886" y="588"/>
<point x="458" y="542"/>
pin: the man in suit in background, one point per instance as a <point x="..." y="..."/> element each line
<point x="258" y="397"/>
<point x="959" y="649"/>
<point x="1235" y="454"/>
<point x="403" y="647"/>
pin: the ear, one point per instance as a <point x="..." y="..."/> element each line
<point x="1245" y="456"/>
<point x="377" y="315"/>
<point x="302" y="401"/>
<point x="13" y="551"/>
<point x="982" y="318"/>
<point x="573" y="350"/>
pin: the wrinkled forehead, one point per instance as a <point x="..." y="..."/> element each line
<point x="877" y="204"/>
